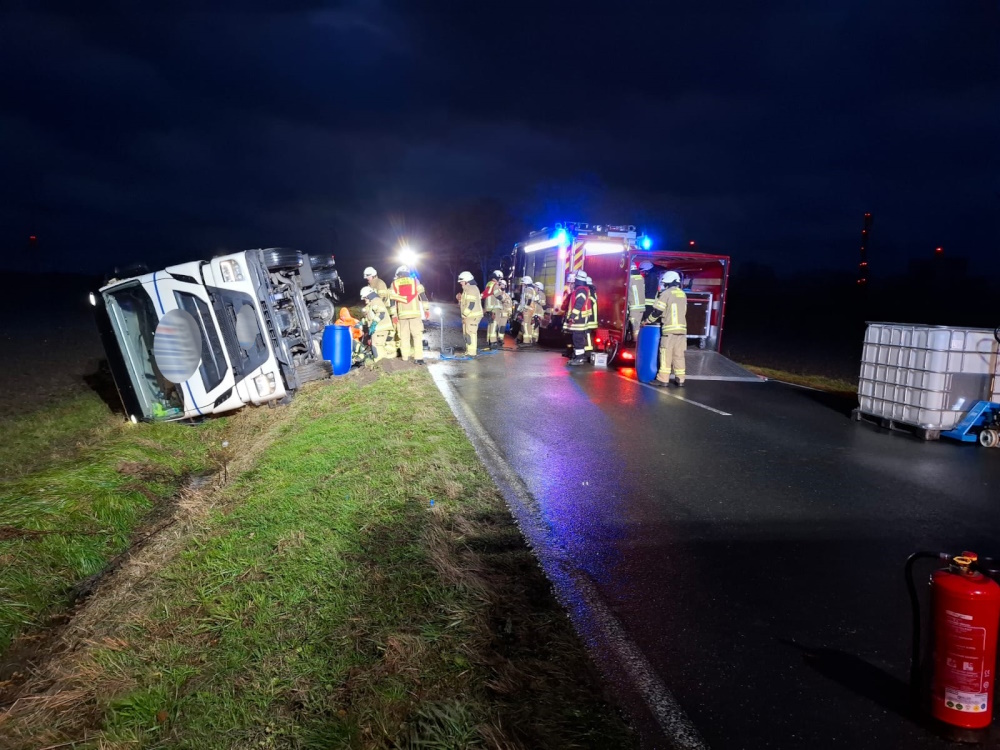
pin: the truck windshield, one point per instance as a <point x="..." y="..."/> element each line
<point x="134" y="321"/>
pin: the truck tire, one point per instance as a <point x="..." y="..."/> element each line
<point x="321" y="261"/>
<point x="326" y="275"/>
<point x="282" y="259"/>
<point x="309" y="371"/>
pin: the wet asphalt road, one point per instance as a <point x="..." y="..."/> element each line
<point x="752" y="553"/>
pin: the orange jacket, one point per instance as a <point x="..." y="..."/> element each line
<point x="345" y="319"/>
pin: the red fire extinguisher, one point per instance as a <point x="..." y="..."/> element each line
<point x="965" y="624"/>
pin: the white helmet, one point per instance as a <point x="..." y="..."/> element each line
<point x="403" y="271"/>
<point x="366" y="291"/>
<point x="589" y="280"/>
<point x="646" y="265"/>
<point x="466" y="277"/>
<point x="539" y="286"/>
<point x="370" y="272"/>
<point x="503" y="284"/>
<point x="670" y="277"/>
<point x="526" y="280"/>
<point x="581" y="275"/>
<point x="497" y="275"/>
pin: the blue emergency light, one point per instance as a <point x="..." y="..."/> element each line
<point x="646" y="243"/>
<point x="561" y="237"/>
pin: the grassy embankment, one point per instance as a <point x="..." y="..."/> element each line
<point x="315" y="599"/>
<point x="833" y="385"/>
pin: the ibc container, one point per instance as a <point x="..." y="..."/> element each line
<point x="926" y="376"/>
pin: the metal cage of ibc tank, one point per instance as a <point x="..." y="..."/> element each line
<point x="924" y="378"/>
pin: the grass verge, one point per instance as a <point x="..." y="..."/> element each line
<point x="360" y="585"/>
<point x="820" y="382"/>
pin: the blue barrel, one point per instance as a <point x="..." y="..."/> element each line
<point x="337" y="348"/>
<point x="647" y="353"/>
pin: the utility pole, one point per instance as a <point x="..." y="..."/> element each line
<point x="863" y="263"/>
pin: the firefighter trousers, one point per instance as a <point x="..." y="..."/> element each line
<point x="672" y="348"/>
<point x="499" y="328"/>
<point x="411" y="337"/>
<point x="470" y="328"/>
<point x="528" y="330"/>
<point x="636" y="317"/>
<point x="380" y="346"/>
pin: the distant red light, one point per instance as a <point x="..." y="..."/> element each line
<point x="938" y="250"/>
<point x="32" y="238"/>
<point x="691" y="243"/>
<point x="628" y="355"/>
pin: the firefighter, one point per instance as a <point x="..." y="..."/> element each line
<point x="492" y="305"/>
<point x="471" y="305"/>
<point x="650" y="282"/>
<point x="670" y="311"/>
<point x="408" y="315"/>
<point x="371" y="276"/>
<point x="578" y="318"/>
<point x="592" y="323"/>
<point x="539" y="318"/>
<point x="564" y="307"/>
<point x="379" y="323"/>
<point x="636" y="300"/>
<point x="503" y="315"/>
<point x="526" y="310"/>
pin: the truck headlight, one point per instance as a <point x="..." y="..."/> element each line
<point x="231" y="270"/>
<point x="264" y="384"/>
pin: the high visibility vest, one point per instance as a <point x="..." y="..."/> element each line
<point x="491" y="296"/>
<point x="406" y="293"/>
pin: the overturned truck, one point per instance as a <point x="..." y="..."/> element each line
<point x="211" y="336"/>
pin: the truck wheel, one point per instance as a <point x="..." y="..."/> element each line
<point x="326" y="275"/>
<point x="309" y="371"/>
<point x="613" y="347"/>
<point x="321" y="261"/>
<point x="282" y="258"/>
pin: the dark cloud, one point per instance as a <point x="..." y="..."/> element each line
<point x="763" y="130"/>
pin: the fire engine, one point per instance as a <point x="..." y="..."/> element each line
<point x="606" y="252"/>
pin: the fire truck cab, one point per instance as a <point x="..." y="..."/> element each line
<point x="606" y="252"/>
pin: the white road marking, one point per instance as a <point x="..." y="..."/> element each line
<point x="677" y="396"/>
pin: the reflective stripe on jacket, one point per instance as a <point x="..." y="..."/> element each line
<point x="636" y="292"/>
<point x="579" y="315"/>
<point x="670" y="311"/>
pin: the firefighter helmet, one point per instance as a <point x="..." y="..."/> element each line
<point x="366" y="291"/>
<point x="670" y="277"/>
<point x="581" y="276"/>
<point x="370" y="272"/>
<point x="590" y="281"/>
<point x="402" y="271"/>
<point x="497" y="275"/>
<point x="466" y="277"/>
<point x="503" y="284"/>
<point x="539" y="286"/>
<point x="526" y="280"/>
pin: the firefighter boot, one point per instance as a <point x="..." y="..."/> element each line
<point x="579" y="358"/>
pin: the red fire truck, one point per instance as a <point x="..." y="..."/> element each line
<point x="606" y="252"/>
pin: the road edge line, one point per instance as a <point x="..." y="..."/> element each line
<point x="593" y="621"/>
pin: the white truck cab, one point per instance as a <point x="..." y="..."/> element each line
<point x="206" y="337"/>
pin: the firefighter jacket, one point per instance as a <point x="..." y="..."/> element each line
<point x="380" y="288"/>
<point x="377" y="316"/>
<point x="528" y="297"/>
<point x="471" y="302"/>
<point x="506" y="304"/>
<point x="491" y="296"/>
<point x="580" y="313"/>
<point x="636" y="292"/>
<point x="406" y="293"/>
<point x="670" y="311"/>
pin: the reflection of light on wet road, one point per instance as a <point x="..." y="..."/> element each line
<point x="677" y="396"/>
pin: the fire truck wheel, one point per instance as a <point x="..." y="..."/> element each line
<point x="282" y="258"/>
<point x="613" y="347"/>
<point x="314" y="371"/>
<point x="988" y="438"/>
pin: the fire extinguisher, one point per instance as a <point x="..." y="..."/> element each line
<point x="956" y="682"/>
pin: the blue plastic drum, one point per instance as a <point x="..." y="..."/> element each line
<point x="337" y="348"/>
<point x="647" y="353"/>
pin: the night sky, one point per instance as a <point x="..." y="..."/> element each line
<point x="760" y="130"/>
